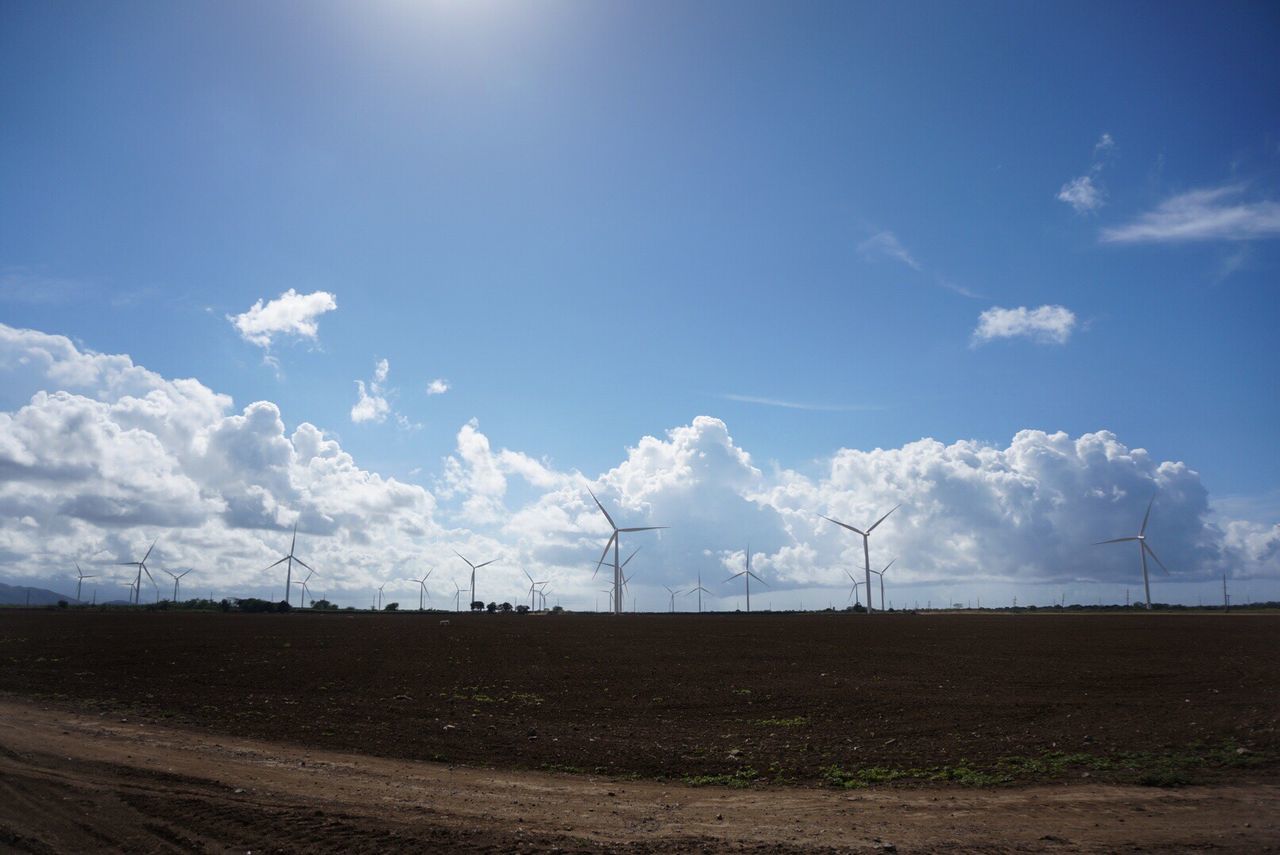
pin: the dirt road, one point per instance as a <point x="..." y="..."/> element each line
<point x="84" y="782"/>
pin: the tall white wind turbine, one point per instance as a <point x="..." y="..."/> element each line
<point x="176" y="579"/>
<point x="614" y="542"/>
<point x="81" y="576"/>
<point x="673" y="594"/>
<point x="380" y="587"/>
<point x="142" y="568"/>
<point x="474" y="568"/>
<point x="748" y="576"/>
<point x="1144" y="549"/>
<point x="533" y="588"/>
<point x="423" y="594"/>
<point x="457" y="597"/>
<point x="613" y="594"/>
<point x="866" y="549"/>
<point x="306" y="591"/>
<point x="290" y="558"/>
<point x="880" y="573"/>
<point x="853" y="594"/>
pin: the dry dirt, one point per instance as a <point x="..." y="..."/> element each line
<point x="150" y="722"/>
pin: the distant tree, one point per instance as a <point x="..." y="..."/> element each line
<point x="62" y="604"/>
<point x="323" y="605"/>
<point x="504" y="607"/>
<point x="283" y="606"/>
<point x="225" y="605"/>
<point x="477" y="606"/>
<point x="522" y="610"/>
<point x="491" y="608"/>
<point x="557" y="610"/>
<point x="391" y="607"/>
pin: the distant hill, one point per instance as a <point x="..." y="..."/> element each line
<point x="16" y="595"/>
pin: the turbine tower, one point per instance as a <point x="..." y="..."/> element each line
<point x="474" y="568"/>
<point x="176" y="578"/>
<point x="82" y="576"/>
<point x="748" y="576"/>
<point x="306" y="592"/>
<point x="699" y="590"/>
<point x="614" y="542"/>
<point x="288" y="576"/>
<point x="533" y="588"/>
<point x="142" y="568"/>
<point x="1144" y="549"/>
<point x="457" y="597"/>
<point x="623" y="566"/>
<point x="380" y="587"/>
<point x="866" y="548"/>
<point x="423" y="593"/>
<point x="880" y="573"/>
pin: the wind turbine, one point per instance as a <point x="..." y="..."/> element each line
<point x="700" y="591"/>
<point x="542" y="595"/>
<point x="80" y="581"/>
<point x="306" y="592"/>
<point x="422" y="583"/>
<point x="866" y="549"/>
<point x="380" y="587"/>
<point x="614" y="542"/>
<point x="853" y="595"/>
<point x="457" y="597"/>
<point x="533" y="587"/>
<point x="673" y="598"/>
<point x="748" y="577"/>
<point x="1143" y="549"/>
<point x="288" y="576"/>
<point x="474" y="568"/>
<point x="880" y="573"/>
<point x="176" y="578"/>
<point x="142" y="568"/>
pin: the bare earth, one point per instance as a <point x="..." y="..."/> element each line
<point x="73" y="782"/>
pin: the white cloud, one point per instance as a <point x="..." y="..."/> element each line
<point x="885" y="244"/>
<point x="290" y="314"/>
<point x="371" y="406"/>
<point x="1217" y="213"/>
<point x="438" y="386"/>
<point x="106" y="456"/>
<point x="1046" y="324"/>
<point x="1082" y="194"/>
<point x="1086" y="194"/>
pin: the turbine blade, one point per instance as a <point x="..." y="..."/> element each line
<point x="1147" y="516"/>
<point x="844" y="525"/>
<point x="604" y="554"/>
<point x="464" y="558"/>
<point x="281" y="561"/>
<point x="486" y="564"/>
<point x="757" y="578"/>
<point x="887" y="566"/>
<point x="153" y="546"/>
<point x="645" y="528"/>
<point x="1152" y="553"/>
<point x="1115" y="540"/>
<point x="303" y="563"/>
<point x="734" y="576"/>
<point x="612" y="525"/>
<point x="629" y="557"/>
<point x="883" y="518"/>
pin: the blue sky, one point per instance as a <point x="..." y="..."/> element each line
<point x="600" y="221"/>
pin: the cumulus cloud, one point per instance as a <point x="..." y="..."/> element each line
<point x="1216" y="213"/>
<point x="1046" y="324"/>
<point x="289" y="315"/>
<point x="438" y="386"/>
<point x="1085" y="194"/>
<point x="104" y="456"/>
<point x="371" y="406"/>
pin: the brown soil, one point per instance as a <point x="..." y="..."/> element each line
<point x="153" y="720"/>
<point x="75" y="783"/>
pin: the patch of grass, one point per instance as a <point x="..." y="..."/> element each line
<point x="742" y="778"/>
<point x="962" y="774"/>
<point x="1162" y="778"/>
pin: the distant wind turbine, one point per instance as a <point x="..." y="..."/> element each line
<point x="747" y="577"/>
<point x="533" y="588"/>
<point x="142" y="568"/>
<point x="423" y="594"/>
<point x="306" y="591"/>
<point x="380" y="587"/>
<point x="853" y="594"/>
<point x="457" y="597"/>
<point x="880" y="573"/>
<point x="176" y="579"/>
<point x="673" y="594"/>
<point x="699" y="590"/>
<point x="622" y="566"/>
<point x="866" y="549"/>
<point x="80" y="581"/>
<point x="290" y="558"/>
<point x="474" y="568"/>
<point x="1144" y="549"/>
<point x="614" y="542"/>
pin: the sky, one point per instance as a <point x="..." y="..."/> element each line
<point x="416" y="275"/>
